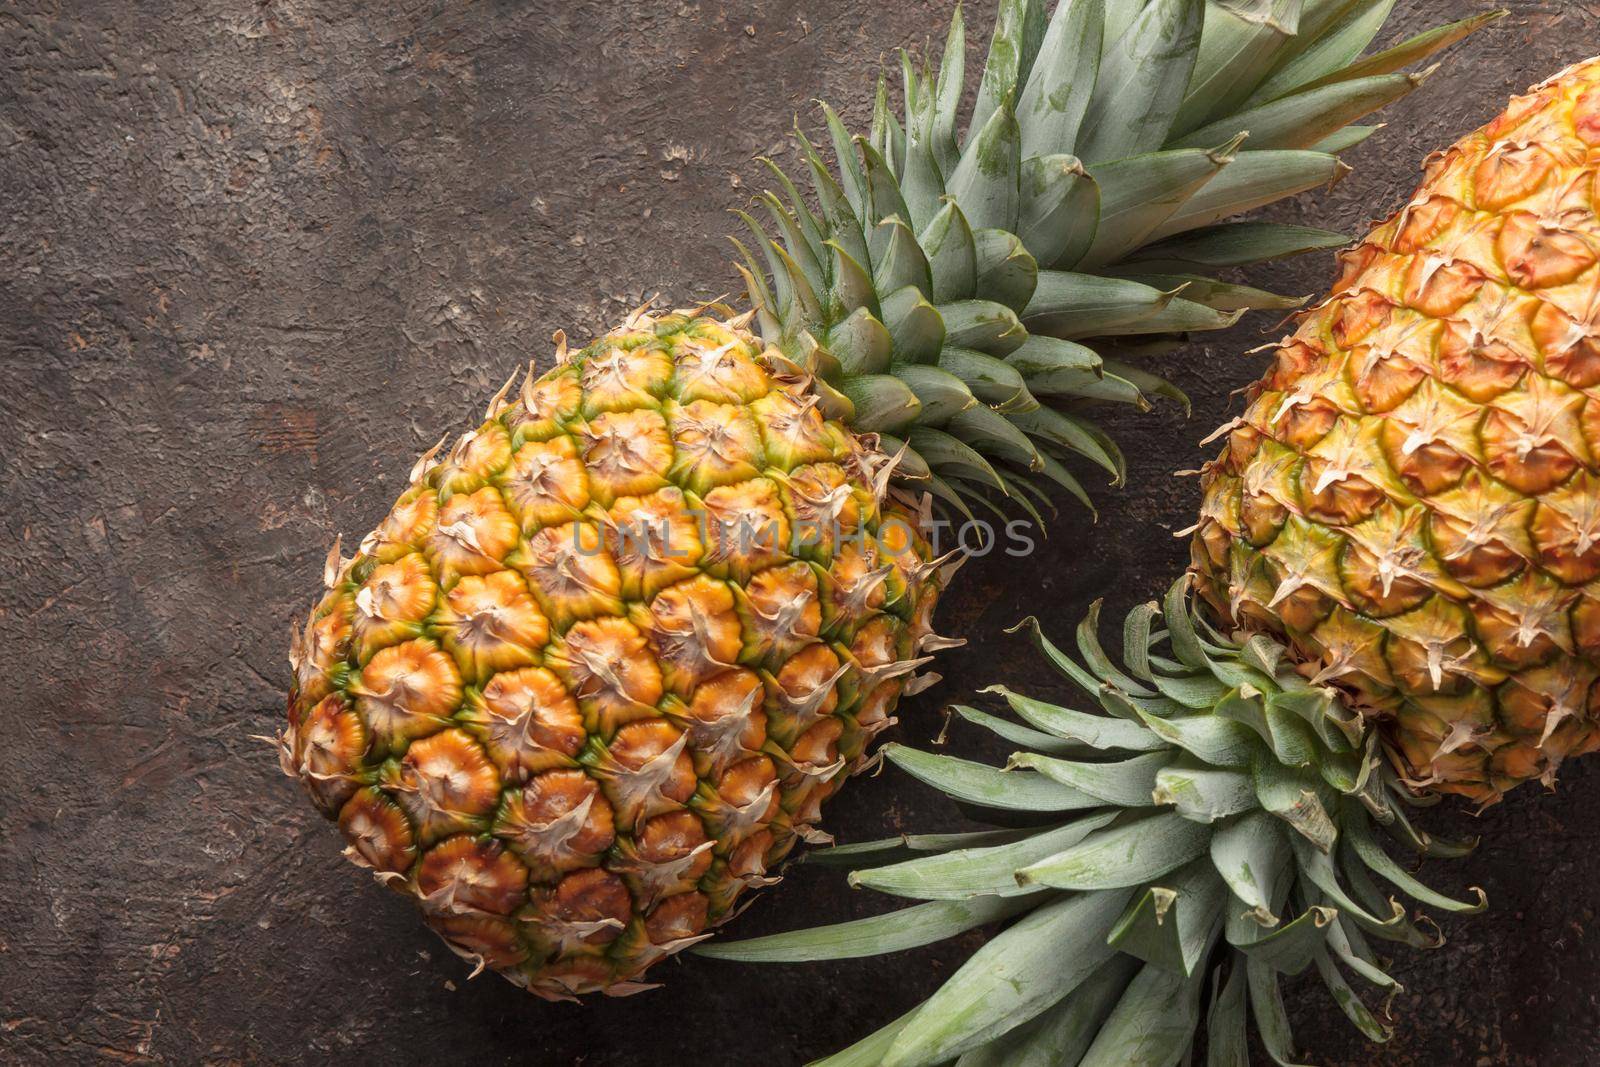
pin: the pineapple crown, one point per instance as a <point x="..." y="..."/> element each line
<point x="1216" y="825"/>
<point x="970" y="296"/>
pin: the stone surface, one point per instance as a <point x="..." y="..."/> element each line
<point x="254" y="257"/>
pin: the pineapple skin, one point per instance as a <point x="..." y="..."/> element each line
<point x="598" y="669"/>
<point x="1412" y="498"/>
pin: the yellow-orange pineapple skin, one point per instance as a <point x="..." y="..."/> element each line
<point x="599" y="667"/>
<point x="1412" y="498"/>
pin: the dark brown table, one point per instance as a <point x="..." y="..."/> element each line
<point x="255" y="256"/>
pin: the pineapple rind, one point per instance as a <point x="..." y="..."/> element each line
<point x="602" y="663"/>
<point x="1412" y="498"/>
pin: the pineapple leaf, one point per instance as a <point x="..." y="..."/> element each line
<point x="1319" y="870"/>
<point x="1128" y="784"/>
<point x="1303" y="119"/>
<point x="1018" y="32"/>
<point x="1064" y="1032"/>
<point x="1136" y="639"/>
<point x="943" y="491"/>
<point x="852" y="287"/>
<point x="1218" y="296"/>
<point x="1122" y="856"/>
<point x="1206" y="737"/>
<point x="1071" y="435"/>
<point x="1344" y="140"/>
<point x="1007" y="272"/>
<point x="895" y="931"/>
<point x="985" y="786"/>
<point x="985" y="180"/>
<point x="1234" y="244"/>
<point x="883" y="191"/>
<point x="1070" y="305"/>
<point x="870" y="1050"/>
<point x="994" y="435"/>
<point x="1153" y="1024"/>
<point x="1412" y="50"/>
<point x="1204" y="794"/>
<point x="1153" y="384"/>
<point x="864" y="854"/>
<point x="991" y="380"/>
<point x="1051" y="469"/>
<point x="1253" y="857"/>
<point x="1142" y="192"/>
<point x="982" y="324"/>
<point x="1056" y="95"/>
<point x="1290" y="948"/>
<point x="1362" y="842"/>
<point x="800" y="248"/>
<point x="1266" y="1004"/>
<point x="1239" y="45"/>
<point x="947" y="92"/>
<point x="1142" y="79"/>
<point x="978" y="871"/>
<point x="1332" y="50"/>
<point x="1172" y="925"/>
<point x="952" y="253"/>
<point x="854" y="179"/>
<point x="914" y="324"/>
<point x="921" y="183"/>
<point x="1035" y="740"/>
<point x="1015" y="976"/>
<point x="1352" y="950"/>
<point x="941" y="395"/>
<point x="861" y="344"/>
<point x="898" y="261"/>
<point x="882" y="403"/>
<point x="1253" y="179"/>
<point x="943" y="452"/>
<point x="1227" y="1043"/>
<point x="1096" y="731"/>
<point x="1060" y="210"/>
<point x="1355" y="1010"/>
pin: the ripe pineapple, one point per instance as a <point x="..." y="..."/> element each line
<point x="597" y="670"/>
<point x="1412" y="499"/>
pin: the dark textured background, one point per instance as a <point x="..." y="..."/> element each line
<point x="254" y="256"/>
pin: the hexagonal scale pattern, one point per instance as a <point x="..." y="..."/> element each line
<point x="599" y="667"/>
<point x="1413" y="495"/>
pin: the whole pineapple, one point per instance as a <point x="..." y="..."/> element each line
<point x="1412" y="498"/>
<point x="599" y="667"/>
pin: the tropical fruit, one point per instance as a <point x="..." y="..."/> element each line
<point x="1412" y="498"/>
<point x="600" y="665"/>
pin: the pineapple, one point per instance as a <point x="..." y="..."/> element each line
<point x="598" y="669"/>
<point x="1412" y="499"/>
